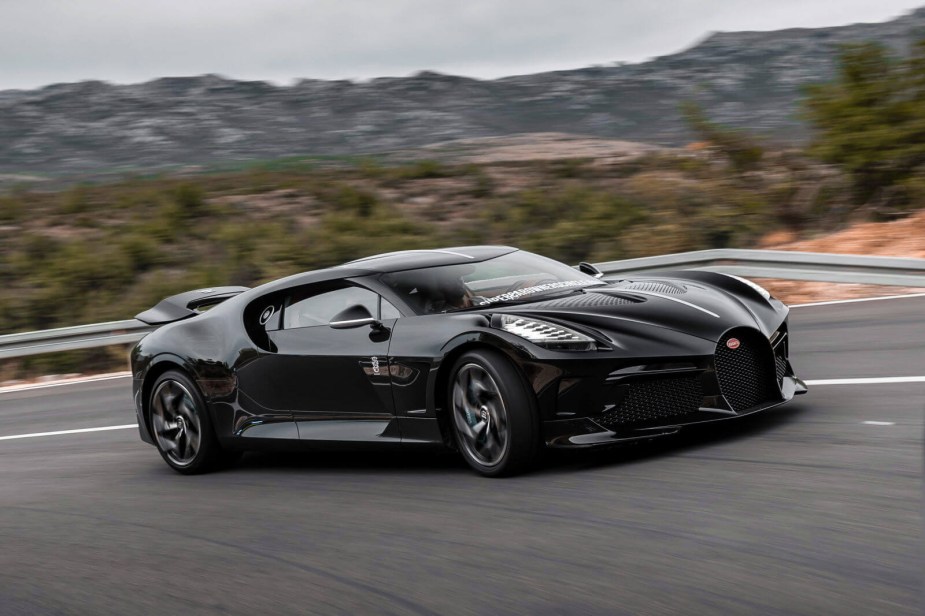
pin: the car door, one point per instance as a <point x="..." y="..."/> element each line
<point x="335" y="381"/>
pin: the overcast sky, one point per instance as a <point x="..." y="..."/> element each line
<point x="125" y="41"/>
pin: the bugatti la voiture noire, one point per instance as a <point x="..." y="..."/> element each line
<point x="489" y="350"/>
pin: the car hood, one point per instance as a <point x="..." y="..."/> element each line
<point x="684" y="306"/>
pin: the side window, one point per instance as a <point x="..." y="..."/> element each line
<point x="320" y="309"/>
<point x="387" y="310"/>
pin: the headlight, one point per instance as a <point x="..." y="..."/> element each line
<point x="757" y="287"/>
<point x="545" y="334"/>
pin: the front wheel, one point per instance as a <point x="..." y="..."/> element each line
<point x="493" y="414"/>
<point x="181" y="427"/>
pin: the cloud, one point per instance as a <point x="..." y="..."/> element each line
<point x="45" y="41"/>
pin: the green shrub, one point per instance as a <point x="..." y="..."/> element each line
<point x="422" y="170"/>
<point x="741" y="149"/>
<point x="189" y="199"/>
<point x="869" y="122"/>
<point x="568" y="168"/>
<point x="11" y="209"/>
<point x="350" y="200"/>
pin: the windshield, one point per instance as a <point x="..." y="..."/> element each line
<point x="514" y="277"/>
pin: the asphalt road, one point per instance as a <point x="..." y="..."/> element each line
<point x="805" y="510"/>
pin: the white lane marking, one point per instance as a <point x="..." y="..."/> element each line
<point x="78" y="380"/>
<point x="880" y="380"/>
<point x="879" y="423"/>
<point x="59" y="432"/>
<point x="855" y="301"/>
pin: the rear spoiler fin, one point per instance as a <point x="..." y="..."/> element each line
<point x="185" y="305"/>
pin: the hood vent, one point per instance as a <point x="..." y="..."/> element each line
<point x="653" y="286"/>
<point x="588" y="300"/>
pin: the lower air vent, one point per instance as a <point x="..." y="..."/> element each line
<point x="655" y="399"/>
<point x="745" y="369"/>
<point x="780" y="345"/>
<point x="780" y="363"/>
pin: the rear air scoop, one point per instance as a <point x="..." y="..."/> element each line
<point x="185" y="305"/>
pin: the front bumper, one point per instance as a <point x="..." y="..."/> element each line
<point x="746" y="374"/>
<point x="586" y="432"/>
<point x="137" y="389"/>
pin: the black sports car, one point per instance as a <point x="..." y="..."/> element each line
<point x="486" y="349"/>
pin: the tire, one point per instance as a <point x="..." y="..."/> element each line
<point x="492" y="414"/>
<point x="181" y="426"/>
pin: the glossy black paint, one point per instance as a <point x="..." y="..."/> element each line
<point x="385" y="383"/>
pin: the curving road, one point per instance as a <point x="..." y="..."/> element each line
<point x="806" y="510"/>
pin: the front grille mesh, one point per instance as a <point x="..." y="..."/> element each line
<point x="745" y="374"/>
<point x="748" y="376"/>
<point x="656" y="399"/>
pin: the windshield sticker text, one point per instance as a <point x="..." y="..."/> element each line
<point x="549" y="286"/>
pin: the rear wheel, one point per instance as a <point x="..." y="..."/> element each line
<point x="181" y="427"/>
<point x="493" y="416"/>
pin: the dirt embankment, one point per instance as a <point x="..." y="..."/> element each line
<point x="899" y="238"/>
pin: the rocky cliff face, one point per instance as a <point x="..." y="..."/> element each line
<point x="749" y="79"/>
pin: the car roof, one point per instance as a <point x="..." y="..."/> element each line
<point x="384" y="263"/>
<point x="413" y="259"/>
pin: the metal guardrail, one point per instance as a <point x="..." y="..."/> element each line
<point x="816" y="266"/>
<point x="73" y="338"/>
<point x="781" y="264"/>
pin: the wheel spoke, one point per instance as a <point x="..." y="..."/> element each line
<point x="168" y="405"/>
<point x="498" y="434"/>
<point x="182" y="445"/>
<point x="184" y="408"/>
<point x="460" y="404"/>
<point x="162" y="426"/>
<point x="476" y="390"/>
<point x="168" y="431"/>
<point x="158" y="406"/>
<point x="193" y="439"/>
<point x="169" y="445"/>
<point x="175" y="422"/>
<point x="479" y="415"/>
<point x="170" y="396"/>
<point x="499" y="423"/>
<point x="477" y="432"/>
<point x="491" y="447"/>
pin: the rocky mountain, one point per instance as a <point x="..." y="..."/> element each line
<point x="746" y="79"/>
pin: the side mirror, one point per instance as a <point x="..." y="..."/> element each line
<point x="587" y="268"/>
<point x="354" y="316"/>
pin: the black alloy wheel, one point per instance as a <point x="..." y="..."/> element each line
<point x="181" y="427"/>
<point x="493" y="414"/>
